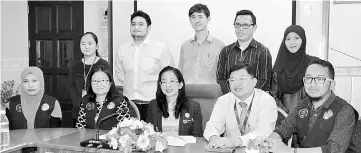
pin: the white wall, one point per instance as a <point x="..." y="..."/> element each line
<point x="14" y="39"/>
<point x="170" y="21"/>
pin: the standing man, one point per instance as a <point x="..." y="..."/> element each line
<point x="199" y="55"/>
<point x="244" y="114"/>
<point x="323" y="122"/>
<point x="246" y="49"/>
<point x="138" y="63"/>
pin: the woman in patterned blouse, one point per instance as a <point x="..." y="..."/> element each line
<point x="102" y="100"/>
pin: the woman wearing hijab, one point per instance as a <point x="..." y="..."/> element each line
<point x="32" y="109"/>
<point x="290" y="67"/>
<point x="102" y="100"/>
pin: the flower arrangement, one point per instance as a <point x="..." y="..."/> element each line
<point x="7" y="91"/>
<point x="135" y="135"/>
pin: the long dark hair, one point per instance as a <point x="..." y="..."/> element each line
<point x="112" y="90"/>
<point x="181" y="102"/>
<point x="95" y="39"/>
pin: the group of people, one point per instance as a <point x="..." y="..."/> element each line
<point x="318" y="120"/>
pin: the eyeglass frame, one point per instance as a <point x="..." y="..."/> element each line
<point x="313" y="79"/>
<point x="238" y="25"/>
<point x="171" y="82"/>
<point x="100" y="82"/>
<point x="242" y="78"/>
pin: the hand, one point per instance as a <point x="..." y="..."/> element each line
<point x="279" y="147"/>
<point x="213" y="142"/>
<point x="230" y="142"/>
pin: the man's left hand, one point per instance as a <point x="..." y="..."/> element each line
<point x="230" y="142"/>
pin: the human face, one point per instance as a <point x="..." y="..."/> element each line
<point x="170" y="84"/>
<point x="293" y="42"/>
<point x="241" y="83"/>
<point x="139" y="28"/>
<point x="88" y="46"/>
<point x="314" y="90"/>
<point x="100" y="83"/>
<point x="199" y="21"/>
<point x="243" y="34"/>
<point x="31" y="84"/>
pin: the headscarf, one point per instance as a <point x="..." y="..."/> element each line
<point x="30" y="104"/>
<point x="291" y="67"/>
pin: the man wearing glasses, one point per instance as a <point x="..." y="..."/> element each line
<point x="246" y="49"/>
<point x="244" y="114"/>
<point x="323" y="121"/>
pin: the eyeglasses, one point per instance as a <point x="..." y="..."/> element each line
<point x="241" y="78"/>
<point x="244" y="26"/>
<point x="101" y="82"/>
<point x="318" y="80"/>
<point x="171" y="82"/>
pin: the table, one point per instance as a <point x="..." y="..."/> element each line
<point x="66" y="140"/>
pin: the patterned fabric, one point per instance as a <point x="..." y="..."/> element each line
<point x="81" y="123"/>
<point x="355" y="144"/>
<point x="256" y="54"/>
<point x="342" y="130"/>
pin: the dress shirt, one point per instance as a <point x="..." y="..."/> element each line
<point x="342" y="131"/>
<point x="137" y="68"/>
<point x="198" y="62"/>
<point x="261" y="121"/>
<point x="256" y="54"/>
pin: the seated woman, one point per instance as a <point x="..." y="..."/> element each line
<point x="102" y="99"/>
<point x="171" y="112"/>
<point x="32" y="109"/>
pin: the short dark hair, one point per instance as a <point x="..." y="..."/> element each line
<point x="249" y="68"/>
<point x="327" y="64"/>
<point x="181" y="102"/>
<point x="143" y="15"/>
<point x="246" y="12"/>
<point x="199" y="8"/>
<point x="95" y="39"/>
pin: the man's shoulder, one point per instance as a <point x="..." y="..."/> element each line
<point x="229" y="47"/>
<point x="260" y="46"/>
<point x="265" y="97"/>
<point x="226" y="98"/>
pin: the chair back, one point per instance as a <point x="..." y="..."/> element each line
<point x="134" y="111"/>
<point x="206" y="95"/>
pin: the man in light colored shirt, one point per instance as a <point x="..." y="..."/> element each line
<point x="229" y="115"/>
<point x="199" y="55"/>
<point x="138" y="63"/>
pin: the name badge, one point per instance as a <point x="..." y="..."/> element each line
<point x="303" y="112"/>
<point x="45" y="107"/>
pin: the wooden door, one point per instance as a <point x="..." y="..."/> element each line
<point x="55" y="28"/>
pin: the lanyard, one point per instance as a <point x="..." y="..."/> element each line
<point x="86" y="76"/>
<point x="242" y="128"/>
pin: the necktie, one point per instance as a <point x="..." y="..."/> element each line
<point x="243" y="115"/>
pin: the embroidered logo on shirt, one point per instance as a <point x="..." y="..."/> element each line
<point x="303" y="112"/>
<point x="90" y="106"/>
<point x="18" y="108"/>
<point x="111" y="105"/>
<point x="45" y="107"/>
<point x="187" y="119"/>
<point x="327" y="114"/>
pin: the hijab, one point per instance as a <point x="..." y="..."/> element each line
<point x="30" y="104"/>
<point x="291" y="67"/>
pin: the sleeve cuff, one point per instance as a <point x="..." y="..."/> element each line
<point x="325" y="149"/>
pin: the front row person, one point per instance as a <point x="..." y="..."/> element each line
<point x="101" y="100"/>
<point x="32" y="109"/>
<point x="323" y="121"/>
<point x="171" y="112"/>
<point x="244" y="113"/>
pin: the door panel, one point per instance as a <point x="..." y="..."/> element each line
<point x="55" y="28"/>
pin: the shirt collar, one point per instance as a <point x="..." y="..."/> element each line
<point x="327" y="103"/>
<point x="247" y="100"/>
<point x="145" y="42"/>
<point x="253" y="43"/>
<point x="209" y="38"/>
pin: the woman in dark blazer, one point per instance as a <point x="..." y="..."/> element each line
<point x="171" y="112"/>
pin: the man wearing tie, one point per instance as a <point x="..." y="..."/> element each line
<point x="244" y="113"/>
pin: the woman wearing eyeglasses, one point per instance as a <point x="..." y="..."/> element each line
<point x="290" y="67"/>
<point x="102" y="100"/>
<point x="171" y="112"/>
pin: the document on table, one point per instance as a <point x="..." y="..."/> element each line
<point x="180" y="140"/>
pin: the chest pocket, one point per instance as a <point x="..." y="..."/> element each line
<point x="208" y="58"/>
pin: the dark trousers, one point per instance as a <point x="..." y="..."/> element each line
<point x="143" y="111"/>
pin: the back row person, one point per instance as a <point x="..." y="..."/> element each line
<point x="139" y="62"/>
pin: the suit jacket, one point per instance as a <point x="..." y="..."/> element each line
<point x="190" y="122"/>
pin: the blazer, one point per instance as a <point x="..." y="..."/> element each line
<point x="190" y="122"/>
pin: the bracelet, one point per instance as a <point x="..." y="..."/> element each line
<point x="295" y="150"/>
